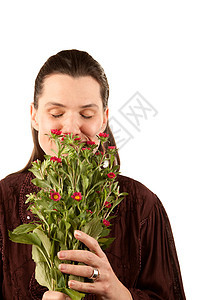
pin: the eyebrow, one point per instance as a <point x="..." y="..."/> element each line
<point x="64" y="106"/>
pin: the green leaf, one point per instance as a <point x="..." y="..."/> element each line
<point x="24" y="228"/>
<point x="42" y="270"/>
<point x="43" y="166"/>
<point x="115" y="204"/>
<point x="93" y="228"/>
<point x="53" y="180"/>
<point x="77" y="278"/>
<point x="41" y="183"/>
<point x="105" y="232"/>
<point x="30" y="198"/>
<point x="44" y="239"/>
<point x="36" y="173"/>
<point x="105" y="243"/>
<point x="61" y="282"/>
<point x="85" y="183"/>
<point x="74" y="295"/>
<point x="53" y="273"/>
<point x="57" y="261"/>
<point x="37" y="255"/>
<point x="60" y="235"/>
<point x="25" y="238"/>
<point x="38" y="213"/>
<point x="100" y="183"/>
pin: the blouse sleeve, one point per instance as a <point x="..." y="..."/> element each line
<point x="1" y="266"/>
<point x="160" y="276"/>
<point x="1" y="246"/>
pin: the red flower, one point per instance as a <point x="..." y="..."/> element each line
<point x="77" y="139"/>
<point x="85" y="148"/>
<point x="111" y="175"/>
<point x="89" y="211"/>
<point x="106" y="223"/>
<point x="99" y="152"/>
<point x="103" y="134"/>
<point x="56" y="131"/>
<point x="77" y="196"/>
<point x="111" y="147"/>
<point x="90" y="143"/>
<point x="55" y="196"/>
<point x="54" y="158"/>
<point x="107" y="204"/>
<point x="65" y="135"/>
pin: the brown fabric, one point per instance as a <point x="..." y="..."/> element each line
<point x="143" y="255"/>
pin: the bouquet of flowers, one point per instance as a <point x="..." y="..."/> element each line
<point x="77" y="190"/>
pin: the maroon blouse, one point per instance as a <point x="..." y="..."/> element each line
<point x="143" y="255"/>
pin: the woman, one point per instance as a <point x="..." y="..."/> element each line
<point x="71" y="95"/>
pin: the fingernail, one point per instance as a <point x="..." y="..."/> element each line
<point x="60" y="267"/>
<point x="71" y="283"/>
<point x="77" y="233"/>
<point x="61" y="255"/>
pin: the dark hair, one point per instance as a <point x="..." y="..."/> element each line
<point x="74" y="63"/>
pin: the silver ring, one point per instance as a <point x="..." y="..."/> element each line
<point x="95" y="274"/>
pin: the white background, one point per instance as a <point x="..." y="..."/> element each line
<point x="147" y="46"/>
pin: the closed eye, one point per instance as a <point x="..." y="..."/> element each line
<point x="57" y="116"/>
<point x="86" y="117"/>
<point x="60" y="115"/>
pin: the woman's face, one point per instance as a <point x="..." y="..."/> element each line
<point x="71" y="105"/>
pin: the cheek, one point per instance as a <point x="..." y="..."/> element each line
<point x="46" y="124"/>
<point x="92" y="128"/>
<point x="45" y="143"/>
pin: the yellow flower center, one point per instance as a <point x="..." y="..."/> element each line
<point x="77" y="197"/>
<point x="56" y="197"/>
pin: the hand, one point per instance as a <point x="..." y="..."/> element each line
<point x="50" y="295"/>
<point x="107" y="286"/>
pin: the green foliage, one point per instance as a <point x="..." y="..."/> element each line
<point x="76" y="192"/>
<point x="25" y="238"/>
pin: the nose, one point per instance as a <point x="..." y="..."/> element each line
<point x="71" y="124"/>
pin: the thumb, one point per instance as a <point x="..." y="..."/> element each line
<point x="51" y="295"/>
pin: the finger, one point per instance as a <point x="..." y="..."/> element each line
<point x="50" y="295"/>
<point x="91" y="288"/>
<point x="83" y="271"/>
<point x="83" y="256"/>
<point x="90" y="242"/>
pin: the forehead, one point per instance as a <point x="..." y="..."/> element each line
<point x="62" y="85"/>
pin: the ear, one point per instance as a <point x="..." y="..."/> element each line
<point x="34" y="121"/>
<point x="105" y="119"/>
